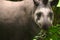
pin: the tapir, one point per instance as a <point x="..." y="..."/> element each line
<point x="22" y="20"/>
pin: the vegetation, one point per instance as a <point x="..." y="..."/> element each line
<point x="52" y="34"/>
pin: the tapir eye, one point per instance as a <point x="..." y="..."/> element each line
<point x="50" y="15"/>
<point x="39" y="15"/>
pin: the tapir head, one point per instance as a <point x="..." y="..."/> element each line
<point x="43" y="15"/>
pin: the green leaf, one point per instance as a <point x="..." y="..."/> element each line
<point x="58" y="4"/>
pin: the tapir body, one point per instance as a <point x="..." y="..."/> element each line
<point x="18" y="20"/>
<point x="15" y="22"/>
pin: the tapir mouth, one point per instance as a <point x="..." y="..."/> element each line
<point x="45" y="27"/>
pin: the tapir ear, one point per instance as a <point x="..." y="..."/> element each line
<point x="36" y="2"/>
<point x="54" y="2"/>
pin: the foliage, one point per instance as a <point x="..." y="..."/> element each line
<point x="56" y="15"/>
<point x="58" y="4"/>
<point x="52" y="34"/>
